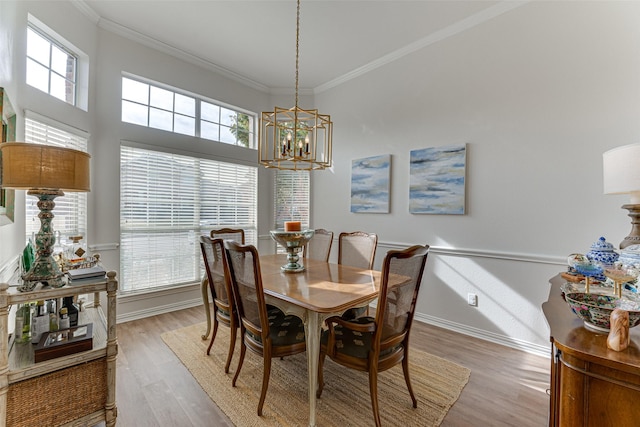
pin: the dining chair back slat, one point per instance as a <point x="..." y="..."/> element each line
<point x="319" y="246"/>
<point x="376" y="344"/>
<point x="265" y="331"/>
<point x="236" y="234"/>
<point x="220" y="287"/>
<point x="357" y="249"/>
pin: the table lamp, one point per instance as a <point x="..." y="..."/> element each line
<point x="621" y="175"/>
<point x="46" y="172"/>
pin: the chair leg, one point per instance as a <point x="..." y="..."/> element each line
<point x="320" y="374"/>
<point x="373" y="390"/>
<point x="405" y="369"/>
<point x="232" y="346"/>
<point x="265" y="383"/>
<point x="243" y="349"/>
<point x="213" y="334"/>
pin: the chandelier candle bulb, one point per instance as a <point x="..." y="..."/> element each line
<point x="292" y="226"/>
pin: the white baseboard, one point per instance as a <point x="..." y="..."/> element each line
<point x="141" y="314"/>
<point x="517" y="344"/>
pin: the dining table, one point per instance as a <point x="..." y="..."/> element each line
<point x="322" y="290"/>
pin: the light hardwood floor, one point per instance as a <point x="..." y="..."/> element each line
<point x="507" y="387"/>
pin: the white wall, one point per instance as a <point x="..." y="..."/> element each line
<point x="10" y="233"/>
<point x="537" y="94"/>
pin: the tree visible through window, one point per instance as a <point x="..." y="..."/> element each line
<point x="150" y="105"/>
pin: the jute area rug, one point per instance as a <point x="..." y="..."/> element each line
<point x="437" y="384"/>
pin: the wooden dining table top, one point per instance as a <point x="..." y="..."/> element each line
<point x="322" y="287"/>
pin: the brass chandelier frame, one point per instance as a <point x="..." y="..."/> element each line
<point x="295" y="138"/>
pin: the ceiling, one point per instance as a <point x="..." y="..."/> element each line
<point x="255" y="41"/>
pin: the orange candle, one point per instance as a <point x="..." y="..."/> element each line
<point x="292" y="226"/>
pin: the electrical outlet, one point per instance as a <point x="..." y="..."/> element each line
<point x="472" y="299"/>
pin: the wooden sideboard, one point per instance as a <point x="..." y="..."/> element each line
<point x="590" y="384"/>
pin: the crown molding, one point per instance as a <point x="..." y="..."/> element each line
<point x="457" y="28"/>
<point x="180" y="54"/>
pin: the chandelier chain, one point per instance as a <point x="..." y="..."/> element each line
<point x="297" y="48"/>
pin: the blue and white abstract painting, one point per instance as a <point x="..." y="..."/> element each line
<point x="370" y="184"/>
<point x="437" y="180"/>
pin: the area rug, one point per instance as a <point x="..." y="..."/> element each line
<point x="345" y="401"/>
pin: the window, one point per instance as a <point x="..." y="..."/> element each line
<point x="167" y="201"/>
<point x="50" y="66"/>
<point x="291" y="199"/>
<point x="157" y="107"/>
<point x="71" y="210"/>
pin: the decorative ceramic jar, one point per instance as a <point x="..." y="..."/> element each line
<point x="602" y="252"/>
<point x="630" y="256"/>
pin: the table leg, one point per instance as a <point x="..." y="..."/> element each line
<point x="312" y="332"/>
<point x="204" y="289"/>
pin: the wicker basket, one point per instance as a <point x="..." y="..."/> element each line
<point x="59" y="397"/>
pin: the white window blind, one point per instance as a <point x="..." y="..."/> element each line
<point x="291" y="199"/>
<point x="167" y="201"/>
<point x="71" y="210"/>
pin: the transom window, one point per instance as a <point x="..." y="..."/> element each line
<point x="50" y="67"/>
<point x="157" y="107"/>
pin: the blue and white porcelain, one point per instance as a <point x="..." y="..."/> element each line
<point x="630" y="256"/>
<point x="602" y="252"/>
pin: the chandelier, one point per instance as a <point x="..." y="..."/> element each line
<point x="294" y="138"/>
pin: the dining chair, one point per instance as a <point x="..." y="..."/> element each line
<point x="319" y="246"/>
<point x="376" y="344"/>
<point x="268" y="333"/>
<point x="357" y="249"/>
<point x="219" y="283"/>
<point x="236" y="234"/>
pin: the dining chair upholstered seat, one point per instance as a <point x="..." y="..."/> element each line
<point x="375" y="344"/>
<point x="268" y="333"/>
<point x="220" y="287"/>
<point x="357" y="249"/>
<point x="319" y="246"/>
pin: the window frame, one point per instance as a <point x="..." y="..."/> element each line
<point x="200" y="122"/>
<point x="184" y="233"/>
<point x="81" y="99"/>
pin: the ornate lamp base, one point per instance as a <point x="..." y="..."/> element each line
<point x="45" y="269"/>
<point x="634" y="236"/>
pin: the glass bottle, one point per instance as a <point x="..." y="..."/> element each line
<point x="64" y="318"/>
<point x="53" y="315"/>
<point x="17" y="331"/>
<point x="78" y="252"/>
<point x="72" y="310"/>
<point x="27" y="309"/>
<point x="39" y="322"/>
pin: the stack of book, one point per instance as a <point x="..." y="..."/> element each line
<point x="85" y="275"/>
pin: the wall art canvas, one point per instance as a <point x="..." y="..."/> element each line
<point x="370" y="184"/>
<point x="437" y="180"/>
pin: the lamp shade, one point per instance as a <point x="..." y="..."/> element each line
<point x="27" y="166"/>
<point x="621" y="173"/>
